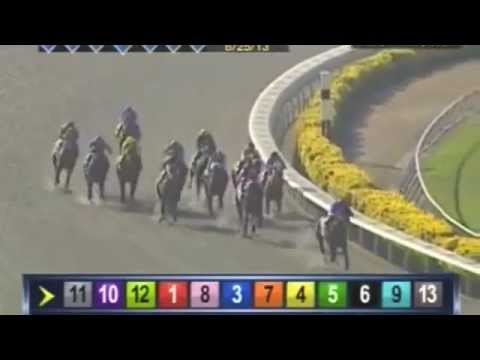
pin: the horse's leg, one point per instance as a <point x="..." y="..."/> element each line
<point x="209" y="195"/>
<point x="280" y="204"/>
<point x="267" y="205"/>
<point x="246" y="217"/>
<point x="133" y="189"/>
<point x="122" y="191"/>
<point x="318" y="233"/>
<point x="220" y="201"/>
<point x="69" y="176"/>
<point x="347" y="258"/>
<point x="102" y="189"/>
<point x="89" y="190"/>
<point x="333" y="251"/>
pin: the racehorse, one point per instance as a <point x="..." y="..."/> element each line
<point x="216" y="183"/>
<point x="198" y="169"/>
<point x="334" y="231"/>
<point x="128" y="172"/>
<point x="64" y="157"/>
<point x="95" y="168"/>
<point x="169" y="190"/>
<point x="250" y="207"/>
<point x="273" y="188"/>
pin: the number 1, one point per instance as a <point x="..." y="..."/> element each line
<point x="173" y="292"/>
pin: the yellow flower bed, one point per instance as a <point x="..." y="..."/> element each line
<point x="324" y="163"/>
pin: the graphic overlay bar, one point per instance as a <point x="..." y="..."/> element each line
<point x="172" y="49"/>
<point x="236" y="294"/>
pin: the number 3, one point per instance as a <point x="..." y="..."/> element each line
<point x="238" y="298"/>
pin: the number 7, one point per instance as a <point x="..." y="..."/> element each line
<point x="269" y="289"/>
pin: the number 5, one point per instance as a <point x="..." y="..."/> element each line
<point x="333" y="294"/>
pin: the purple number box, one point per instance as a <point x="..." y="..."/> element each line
<point x="109" y="295"/>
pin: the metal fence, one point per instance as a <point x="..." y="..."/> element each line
<point x="413" y="185"/>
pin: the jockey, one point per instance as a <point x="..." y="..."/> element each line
<point x="99" y="146"/>
<point x="341" y="209"/>
<point x="250" y="152"/>
<point x="168" y="169"/>
<point x="206" y="139"/>
<point x="174" y="151"/>
<point x="274" y="162"/>
<point x="250" y="177"/>
<point x="128" y="125"/>
<point x="218" y="158"/>
<point x="129" y="147"/>
<point x="69" y="131"/>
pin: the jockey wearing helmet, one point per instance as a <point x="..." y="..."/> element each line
<point x="69" y="136"/>
<point x="250" y="152"/>
<point x="204" y="141"/>
<point x="128" y="125"/>
<point x="341" y="209"/>
<point x="274" y="162"/>
<point x="99" y="146"/>
<point x="174" y="152"/>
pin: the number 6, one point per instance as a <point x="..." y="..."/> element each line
<point x="365" y="294"/>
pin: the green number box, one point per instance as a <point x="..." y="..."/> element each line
<point x="141" y="295"/>
<point x="332" y="295"/>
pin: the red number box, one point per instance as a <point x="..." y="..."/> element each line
<point x="173" y="295"/>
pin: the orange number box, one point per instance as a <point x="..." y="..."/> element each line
<point x="269" y="295"/>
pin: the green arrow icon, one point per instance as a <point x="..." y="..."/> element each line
<point x="47" y="297"/>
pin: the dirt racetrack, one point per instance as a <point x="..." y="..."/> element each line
<point x="47" y="231"/>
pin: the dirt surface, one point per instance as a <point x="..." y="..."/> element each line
<point x="383" y="137"/>
<point x="46" y="231"/>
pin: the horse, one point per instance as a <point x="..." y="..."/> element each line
<point x="64" y="157"/>
<point x="169" y="191"/>
<point x="95" y="168"/>
<point x="198" y="169"/>
<point x="273" y="185"/>
<point x="216" y="183"/>
<point x="250" y="207"/>
<point x="128" y="172"/>
<point x="334" y="231"/>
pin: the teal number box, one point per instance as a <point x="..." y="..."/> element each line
<point x="397" y="295"/>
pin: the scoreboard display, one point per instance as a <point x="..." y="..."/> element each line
<point x="250" y="294"/>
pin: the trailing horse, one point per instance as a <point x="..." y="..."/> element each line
<point x="95" y="169"/>
<point x="250" y="207"/>
<point x="273" y="185"/>
<point x="335" y="232"/>
<point x="129" y="168"/>
<point x="216" y="183"/>
<point x="169" y="189"/>
<point x="64" y="157"/>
